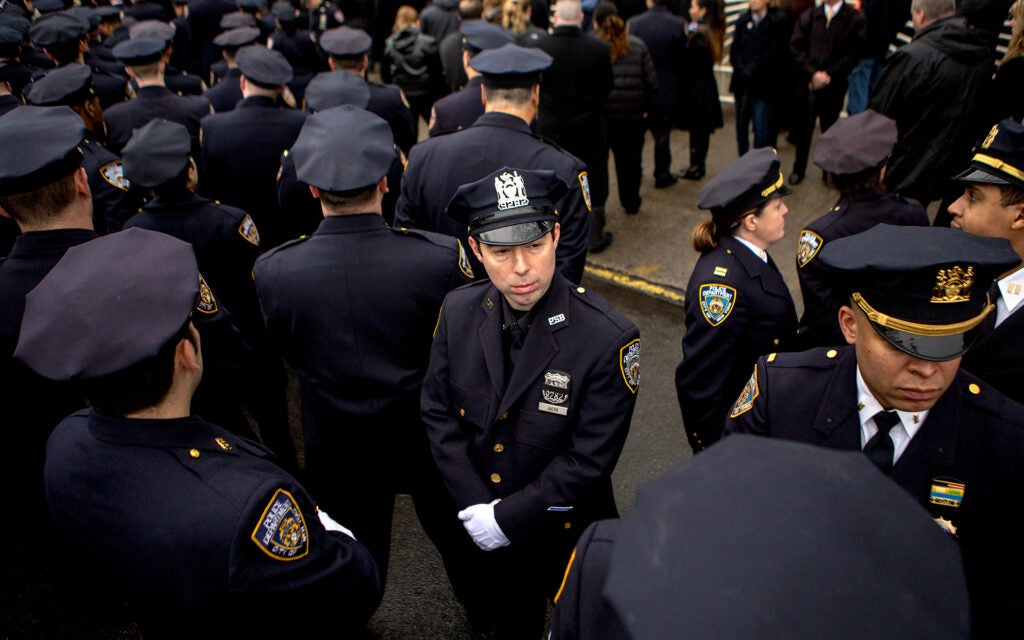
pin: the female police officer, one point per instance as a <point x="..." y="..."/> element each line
<point x="737" y="305"/>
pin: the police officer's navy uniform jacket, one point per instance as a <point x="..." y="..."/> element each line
<point x="971" y="443"/>
<point x="227" y="93"/>
<point x="153" y="102"/>
<point x="111" y="201"/>
<point x="998" y="357"/>
<point x="439" y="166"/>
<point x="546" y="439"/>
<point x="737" y="308"/>
<point x="386" y="101"/>
<point x="241" y="156"/>
<point x="201" y="529"/>
<point x="9" y="103"/>
<point x="458" y="110"/>
<point x="822" y="294"/>
<point x="353" y="309"/>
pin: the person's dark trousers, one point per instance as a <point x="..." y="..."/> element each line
<point x="759" y="113"/>
<point x="626" y="140"/>
<point x="700" y="140"/>
<point x="823" y="105"/>
<point x="660" y="124"/>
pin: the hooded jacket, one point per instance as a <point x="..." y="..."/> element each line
<point x="413" y="62"/>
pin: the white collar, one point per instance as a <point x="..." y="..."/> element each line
<point x="1011" y="294"/>
<point x="868" y="406"/>
<point x="758" y="251"/>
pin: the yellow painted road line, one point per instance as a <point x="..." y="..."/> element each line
<point x="634" y="283"/>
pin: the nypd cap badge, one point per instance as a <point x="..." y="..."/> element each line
<point x="716" y="302"/>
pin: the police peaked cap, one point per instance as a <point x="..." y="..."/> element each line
<point x="140" y="51"/>
<point x="343" y="150"/>
<point x="57" y="29"/>
<point x="924" y="289"/>
<point x="69" y="85"/>
<point x="237" y="37"/>
<point x="108" y="304"/>
<point x="345" y="41"/>
<point x="1000" y="157"/>
<point x="856" y="144"/>
<point x="152" y="29"/>
<point x="264" y="67"/>
<point x="237" y="19"/>
<point x="511" y="66"/>
<point x="480" y="35"/>
<point x="41" y="145"/>
<point x="509" y="207"/>
<point x="744" y="184"/>
<point x="156" y="153"/>
<point x="335" y="88"/>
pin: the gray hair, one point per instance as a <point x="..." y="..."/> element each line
<point x="568" y="11"/>
<point x="934" y="9"/>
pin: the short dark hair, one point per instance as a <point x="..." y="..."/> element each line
<point x="517" y="96"/>
<point x="141" y="385"/>
<point x="348" y="62"/>
<point x="860" y="184"/>
<point x="43" y="203"/>
<point x="63" y="53"/>
<point x="175" y="186"/>
<point x="1010" y="196"/>
<point x="337" y="202"/>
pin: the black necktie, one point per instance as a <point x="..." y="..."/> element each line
<point x="989" y="323"/>
<point x="880" y="448"/>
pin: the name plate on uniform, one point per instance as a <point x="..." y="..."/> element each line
<point x="553" y="408"/>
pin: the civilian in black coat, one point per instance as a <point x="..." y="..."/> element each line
<point x="759" y="55"/>
<point x="204" y="24"/>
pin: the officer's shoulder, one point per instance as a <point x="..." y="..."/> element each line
<point x="279" y="249"/>
<point x="820" y="358"/>
<point x="235" y="213"/>
<point x="595" y="302"/>
<point x="438" y="239"/>
<point x="982" y="397"/>
<point x="719" y="266"/>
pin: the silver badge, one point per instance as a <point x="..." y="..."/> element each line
<point x="555" y="392"/>
<point x="511" y="191"/>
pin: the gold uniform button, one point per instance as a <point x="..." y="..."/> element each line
<point x="495" y="478"/>
<point x="194" y="453"/>
<point x="775" y="341"/>
<point x="580" y="289"/>
<point x="835" y="208"/>
<point x="462" y="413"/>
<point x="973" y="388"/>
<point x="498" y="448"/>
<point x="568" y="525"/>
<point x="831" y="353"/>
<point x="503" y="416"/>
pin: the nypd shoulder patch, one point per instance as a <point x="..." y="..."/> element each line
<point x="248" y="230"/>
<point x="585" y="188"/>
<point x="747" y="396"/>
<point x="716" y="302"/>
<point x="629" y="364"/>
<point x="113" y="173"/>
<point x="206" y="303"/>
<point x="464" y="265"/>
<point x="281" y="531"/>
<point x="808" y="247"/>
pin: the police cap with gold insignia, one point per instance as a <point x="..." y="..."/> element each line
<point x="233" y="39"/>
<point x="861" y="142"/>
<point x="746" y="183"/>
<point x="1000" y="158"/>
<point x="140" y="51"/>
<point x="264" y="67"/>
<point x="343" y="150"/>
<point x="109" y="304"/>
<point x="511" y="66"/>
<point x="345" y="41"/>
<point x="480" y="35"/>
<point x="70" y="85"/>
<point x="509" y="207"/>
<point x="58" y="28"/>
<point x="152" y="29"/>
<point x="924" y="289"/>
<point x="335" y="88"/>
<point x="237" y="19"/>
<point x="156" y="153"/>
<point x="41" y="145"/>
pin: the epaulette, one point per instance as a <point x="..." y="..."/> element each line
<point x="281" y="246"/>
<point x="982" y="396"/>
<point x="817" y="358"/>
<point x="598" y="303"/>
<point x="440" y="239"/>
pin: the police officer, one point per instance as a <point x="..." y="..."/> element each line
<point x="738" y="306"/>
<point x="71" y="86"/>
<point x="196" y="527"/>
<point x="353" y="309"/>
<point x="241" y="149"/>
<point x="229" y="22"/>
<point x="852" y="153"/>
<point x="917" y="298"/>
<point x="527" y="400"/>
<point x="324" y="15"/>
<point x="226" y="241"/>
<point x="143" y="58"/>
<point x="500" y="137"/>
<point x="296" y="45"/>
<point x="64" y="38"/>
<point x="347" y="51"/>
<point x="13" y="71"/>
<point x="461" y="109"/>
<point x="228" y="92"/>
<point x="177" y="80"/>
<point x="992" y="205"/>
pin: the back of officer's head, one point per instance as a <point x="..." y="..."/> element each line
<point x="111" y="316"/>
<point x="42" y="182"/>
<point x="854" y="151"/>
<point x="511" y="75"/>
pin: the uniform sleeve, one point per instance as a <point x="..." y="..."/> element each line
<point x="819" y="325"/>
<point x="571" y="255"/>
<point x="581" y="611"/>
<point x="285" y="563"/>
<point x="749" y="413"/>
<point x="605" y="412"/>
<point x="800" y="44"/>
<point x="409" y="208"/>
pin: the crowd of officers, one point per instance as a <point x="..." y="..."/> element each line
<point x="200" y="197"/>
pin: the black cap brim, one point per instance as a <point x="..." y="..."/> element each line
<point x="519" y="231"/>
<point x="980" y="176"/>
<point x="931" y="348"/>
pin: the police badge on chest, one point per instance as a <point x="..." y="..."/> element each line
<point x="555" y="393"/>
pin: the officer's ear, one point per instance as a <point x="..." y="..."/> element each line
<point x="1018" y="216"/>
<point x="476" y="248"/>
<point x="848" y="323"/>
<point x="82" y="184"/>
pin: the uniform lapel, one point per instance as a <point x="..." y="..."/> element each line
<point x="837" y="421"/>
<point x="490" y="339"/>
<point x="766" y="272"/>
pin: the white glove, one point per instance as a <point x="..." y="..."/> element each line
<point x="331" y="524"/>
<point x="482" y="527"/>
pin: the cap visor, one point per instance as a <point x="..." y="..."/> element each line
<point x="980" y="175"/>
<point x="514" y="234"/>
<point x="932" y="348"/>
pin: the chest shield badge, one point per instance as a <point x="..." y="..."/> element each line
<point x="555" y="392"/>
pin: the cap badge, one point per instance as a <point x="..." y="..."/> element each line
<point x="511" y="191"/>
<point x="953" y="285"/>
<point x="990" y="137"/>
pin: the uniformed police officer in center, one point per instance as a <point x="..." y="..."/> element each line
<point x="196" y="527"/>
<point x="528" y="400"/>
<point x="917" y="299"/>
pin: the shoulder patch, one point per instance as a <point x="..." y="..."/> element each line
<point x="808" y="247"/>
<point x="248" y="230"/>
<point x="206" y="303"/>
<point x="585" y="187"/>
<point x="629" y="364"/>
<point x="281" y="532"/>
<point x="113" y="173"/>
<point x="716" y="302"/>
<point x="464" y="266"/>
<point x="747" y="396"/>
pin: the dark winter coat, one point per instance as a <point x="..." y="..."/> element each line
<point x="760" y="55"/>
<point x="699" y="107"/>
<point x="413" y="63"/>
<point x="635" y="84"/>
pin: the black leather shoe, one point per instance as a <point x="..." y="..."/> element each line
<point x="603" y="243"/>
<point x="695" y="172"/>
<point x="668" y="181"/>
<point x="796" y="178"/>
